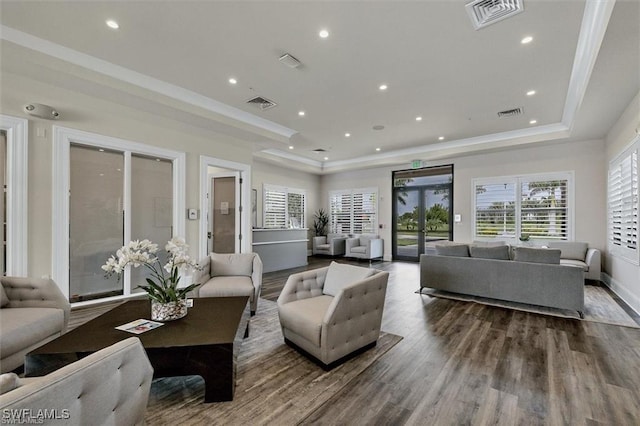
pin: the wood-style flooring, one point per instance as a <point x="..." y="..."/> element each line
<point x="469" y="364"/>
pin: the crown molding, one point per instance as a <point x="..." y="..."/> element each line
<point x="140" y="80"/>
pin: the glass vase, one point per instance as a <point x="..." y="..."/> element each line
<point x="168" y="311"/>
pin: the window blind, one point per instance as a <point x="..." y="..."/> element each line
<point x="353" y="211"/>
<point x="495" y="210"/>
<point x="544" y="208"/>
<point x="284" y="207"/>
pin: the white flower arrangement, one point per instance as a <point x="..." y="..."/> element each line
<point x="162" y="288"/>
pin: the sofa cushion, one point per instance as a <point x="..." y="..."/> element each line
<point x="4" y="299"/>
<point x="359" y="249"/>
<point x="231" y="264"/>
<point x="570" y="249"/>
<point x="304" y="317"/>
<point x="323" y="246"/>
<point x="23" y="327"/>
<point x="340" y="275"/>
<point x="227" y="287"/>
<point x="536" y="255"/>
<point x="457" y="250"/>
<point x="490" y="252"/>
<point x="576" y="263"/>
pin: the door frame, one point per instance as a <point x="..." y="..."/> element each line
<point x="245" y="190"/>
<point x="237" y="212"/>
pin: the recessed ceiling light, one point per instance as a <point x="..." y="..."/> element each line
<point x="383" y="87"/>
<point x="326" y="158"/>
<point x="101" y="174"/>
<point x="418" y="118"/>
<point x="378" y="149"/>
<point x="112" y="24"/>
<point x="526" y="40"/>
<point x="233" y="81"/>
<point x="323" y="33"/>
<point x="301" y="113"/>
<point x="533" y="121"/>
<point x="101" y="150"/>
<point x="441" y="138"/>
<point x="157" y="159"/>
<point x="347" y="135"/>
<point x="531" y="92"/>
<point x="290" y="146"/>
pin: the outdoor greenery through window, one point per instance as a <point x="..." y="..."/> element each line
<point x="623" y="204"/>
<point x="353" y="211"/>
<point x="284" y="207"/>
<point x="524" y="207"/>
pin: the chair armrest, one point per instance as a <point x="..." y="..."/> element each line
<point x="593" y="260"/>
<point x="338" y="245"/>
<point x="375" y="248"/>
<point x="350" y="243"/>
<point x="303" y="285"/>
<point x="318" y="240"/>
<point x="355" y="313"/>
<point x="35" y="293"/>
<point x="256" y="275"/>
<point x="201" y="275"/>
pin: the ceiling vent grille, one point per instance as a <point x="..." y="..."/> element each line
<point x="510" y="112"/>
<point x="486" y="12"/>
<point x="262" y="103"/>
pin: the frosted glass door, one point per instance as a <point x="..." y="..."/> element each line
<point x="151" y="208"/>
<point x="96" y="220"/>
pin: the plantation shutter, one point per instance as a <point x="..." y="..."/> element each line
<point x="544" y="208"/>
<point x="495" y="210"/>
<point x="623" y="206"/>
<point x="364" y="211"/>
<point x="296" y="208"/>
<point x="340" y="212"/>
<point x="275" y="214"/>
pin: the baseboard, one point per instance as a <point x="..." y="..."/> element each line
<point x="622" y="292"/>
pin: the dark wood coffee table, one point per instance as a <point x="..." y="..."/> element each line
<point x="204" y="343"/>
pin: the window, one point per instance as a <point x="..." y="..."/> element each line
<point x="535" y="206"/>
<point x="623" y="204"/>
<point x="353" y="211"/>
<point x="284" y="207"/>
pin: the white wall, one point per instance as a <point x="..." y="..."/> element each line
<point x="88" y="113"/>
<point x="622" y="275"/>
<point x="586" y="159"/>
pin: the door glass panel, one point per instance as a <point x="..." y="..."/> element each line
<point x="436" y="215"/>
<point x="151" y="208"/>
<point x="407" y="230"/>
<point x="3" y="202"/>
<point x="95" y="220"/>
<point x="224" y="214"/>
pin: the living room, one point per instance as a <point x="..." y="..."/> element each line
<point x="107" y="104"/>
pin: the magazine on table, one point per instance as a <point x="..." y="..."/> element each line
<point x="139" y="326"/>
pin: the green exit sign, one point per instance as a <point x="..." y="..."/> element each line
<point x="416" y="164"/>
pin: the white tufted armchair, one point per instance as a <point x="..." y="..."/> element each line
<point x="108" y="387"/>
<point x="332" y="327"/>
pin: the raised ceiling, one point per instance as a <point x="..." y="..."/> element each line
<point x="436" y="66"/>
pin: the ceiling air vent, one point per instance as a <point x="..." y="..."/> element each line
<point x="486" y="12"/>
<point x="510" y="112"/>
<point x="262" y="103"/>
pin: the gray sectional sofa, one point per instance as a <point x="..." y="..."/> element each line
<point x="534" y="276"/>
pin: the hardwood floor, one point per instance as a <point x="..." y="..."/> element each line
<point x="465" y="363"/>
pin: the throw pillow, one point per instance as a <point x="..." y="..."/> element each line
<point x="490" y="252"/>
<point x="231" y="264"/>
<point x="340" y="275"/>
<point x="457" y="250"/>
<point x="8" y="382"/>
<point x="570" y="249"/>
<point x="4" y="299"/>
<point x="536" y="255"/>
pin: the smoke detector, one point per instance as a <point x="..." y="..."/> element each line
<point x="262" y="103"/>
<point x="511" y="112"/>
<point x="486" y="12"/>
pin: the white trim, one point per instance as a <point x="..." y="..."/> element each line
<point x="17" y="130"/>
<point x="623" y="293"/>
<point x="245" y="191"/>
<point x="62" y="139"/>
<point x="141" y="80"/>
